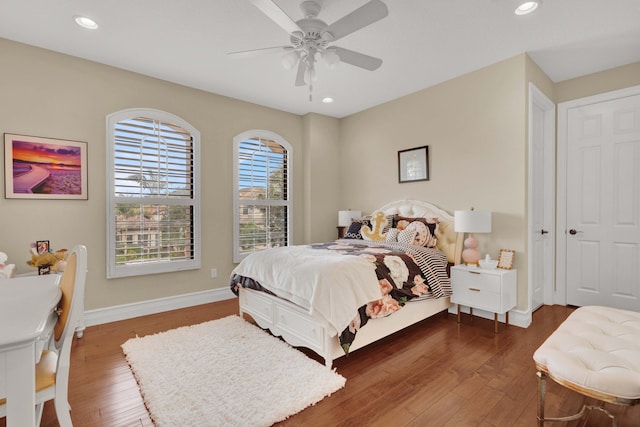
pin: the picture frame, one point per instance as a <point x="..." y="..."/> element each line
<point x="505" y="259"/>
<point x="44" y="168"/>
<point x="42" y="246"/>
<point x="413" y="164"/>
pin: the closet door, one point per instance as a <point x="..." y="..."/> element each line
<point x="603" y="204"/>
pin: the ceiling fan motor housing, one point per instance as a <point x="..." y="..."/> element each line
<point x="314" y="34"/>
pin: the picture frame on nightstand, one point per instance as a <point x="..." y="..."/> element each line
<point x="505" y="259"/>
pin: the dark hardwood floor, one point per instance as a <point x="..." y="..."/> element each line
<point x="435" y="373"/>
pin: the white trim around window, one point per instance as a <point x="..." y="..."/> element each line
<point x="262" y="166"/>
<point x="153" y="193"/>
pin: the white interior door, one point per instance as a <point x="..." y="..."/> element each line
<point x="603" y="204"/>
<point x="541" y="198"/>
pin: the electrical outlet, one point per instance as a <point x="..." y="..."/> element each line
<point x="214" y="273"/>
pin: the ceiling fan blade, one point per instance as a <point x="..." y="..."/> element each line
<point x="273" y="11"/>
<point x="371" y="12"/>
<point x="358" y="59"/>
<point x="302" y="67"/>
<point x="258" y="52"/>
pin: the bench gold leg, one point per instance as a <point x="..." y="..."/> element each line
<point x="542" y="384"/>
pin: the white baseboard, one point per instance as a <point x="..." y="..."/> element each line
<point x="516" y="317"/>
<point x="143" y="308"/>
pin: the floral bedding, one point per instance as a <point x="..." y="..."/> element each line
<point x="404" y="273"/>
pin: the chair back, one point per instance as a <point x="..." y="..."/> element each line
<point x="72" y="302"/>
<point x="53" y="368"/>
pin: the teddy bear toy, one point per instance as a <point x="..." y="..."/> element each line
<point x="53" y="261"/>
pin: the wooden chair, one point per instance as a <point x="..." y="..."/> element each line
<point x="52" y="371"/>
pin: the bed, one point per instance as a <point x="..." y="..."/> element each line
<point x="303" y="321"/>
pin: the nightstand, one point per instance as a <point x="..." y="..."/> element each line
<point x="493" y="290"/>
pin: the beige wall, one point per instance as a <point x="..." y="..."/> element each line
<point x="593" y="84"/>
<point x="321" y="138"/>
<point x="474" y="126"/>
<point x="535" y="75"/>
<point x="52" y="95"/>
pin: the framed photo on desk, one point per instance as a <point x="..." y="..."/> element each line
<point x="42" y="246"/>
<point x="505" y="259"/>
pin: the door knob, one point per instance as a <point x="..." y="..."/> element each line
<point x="543" y="232"/>
<point x="573" y="231"/>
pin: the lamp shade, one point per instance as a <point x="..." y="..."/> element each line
<point x="344" y="217"/>
<point x="472" y="221"/>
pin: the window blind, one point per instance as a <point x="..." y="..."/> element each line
<point x="153" y="197"/>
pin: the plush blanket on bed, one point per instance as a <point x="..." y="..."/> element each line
<point x="321" y="281"/>
<point x="347" y="282"/>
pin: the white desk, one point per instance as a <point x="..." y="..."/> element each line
<point x="26" y="314"/>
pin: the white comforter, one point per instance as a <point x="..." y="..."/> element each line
<point x="329" y="284"/>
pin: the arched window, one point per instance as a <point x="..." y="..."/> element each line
<point x="153" y="193"/>
<point x="262" y="192"/>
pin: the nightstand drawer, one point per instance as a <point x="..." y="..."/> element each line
<point x="476" y="280"/>
<point x="475" y="297"/>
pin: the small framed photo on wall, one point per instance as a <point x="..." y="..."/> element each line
<point x="413" y="164"/>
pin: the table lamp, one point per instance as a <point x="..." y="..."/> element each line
<point x="472" y="221"/>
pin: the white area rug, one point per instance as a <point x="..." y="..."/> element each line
<point x="225" y="372"/>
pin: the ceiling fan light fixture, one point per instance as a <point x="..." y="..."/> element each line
<point x="310" y="75"/>
<point x="85" y="22"/>
<point x="526" y="7"/>
<point x="289" y="60"/>
<point x="330" y="58"/>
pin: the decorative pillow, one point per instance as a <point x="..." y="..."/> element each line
<point x="428" y="239"/>
<point x="354" y="229"/>
<point x="376" y="231"/>
<point x="392" y="235"/>
<point x="421" y="232"/>
<point x="407" y="236"/>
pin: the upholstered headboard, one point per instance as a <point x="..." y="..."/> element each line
<point x="449" y="242"/>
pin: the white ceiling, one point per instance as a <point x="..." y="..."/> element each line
<point x="422" y="43"/>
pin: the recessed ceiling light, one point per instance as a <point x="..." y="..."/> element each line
<point x="527" y="7"/>
<point x="85" y="22"/>
<point x="327" y="100"/>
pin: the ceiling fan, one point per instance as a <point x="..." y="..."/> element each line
<point x="310" y="38"/>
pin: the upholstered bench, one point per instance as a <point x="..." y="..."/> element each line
<point x="595" y="352"/>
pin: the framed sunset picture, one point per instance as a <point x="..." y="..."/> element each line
<point x="44" y="168"/>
